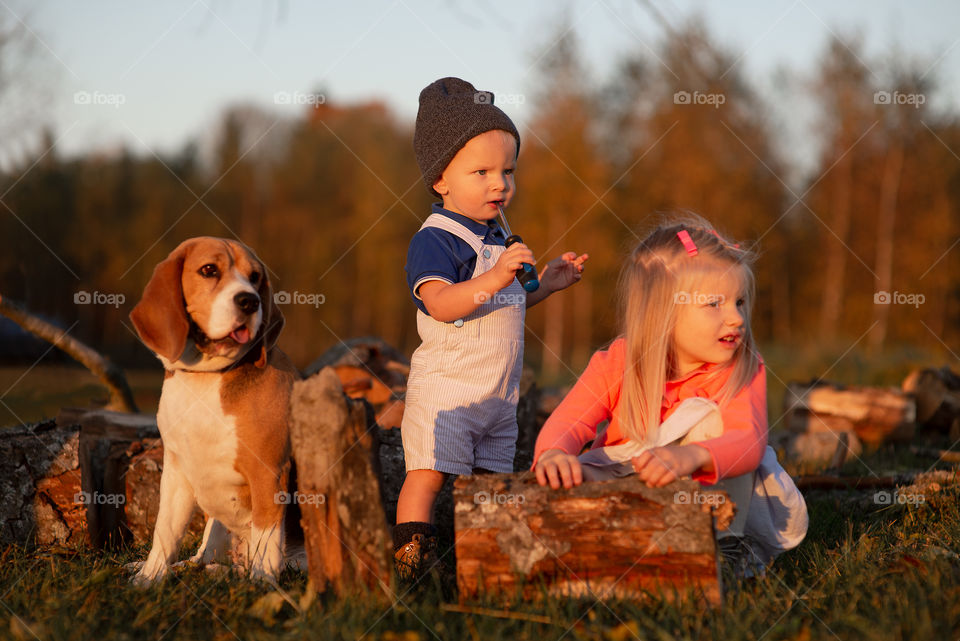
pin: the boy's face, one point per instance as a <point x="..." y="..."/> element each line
<point x="480" y="176"/>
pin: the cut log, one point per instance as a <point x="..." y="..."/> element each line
<point x="875" y="415"/>
<point x="937" y="393"/>
<point x="105" y="438"/>
<point x="121" y="460"/>
<point x="334" y="442"/>
<point x="529" y="421"/>
<point x="616" y="538"/>
<point x="370" y="369"/>
<point x="143" y="460"/>
<point x="40" y="486"/>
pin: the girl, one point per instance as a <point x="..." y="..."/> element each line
<point x="684" y="392"/>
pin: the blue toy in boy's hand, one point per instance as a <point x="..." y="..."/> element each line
<point x="527" y="275"/>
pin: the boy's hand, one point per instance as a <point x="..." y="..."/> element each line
<point x="562" y="272"/>
<point x="556" y="466"/>
<point x="659" y="466"/>
<point x="509" y="262"/>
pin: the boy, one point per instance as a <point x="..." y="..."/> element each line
<point x="462" y="393"/>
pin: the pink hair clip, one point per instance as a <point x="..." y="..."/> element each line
<point x="688" y="243"/>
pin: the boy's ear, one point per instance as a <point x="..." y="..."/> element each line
<point x="441" y="186"/>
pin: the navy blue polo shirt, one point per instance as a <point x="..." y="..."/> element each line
<point x="438" y="254"/>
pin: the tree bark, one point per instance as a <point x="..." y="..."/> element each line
<point x="604" y="539"/>
<point x="334" y="442"/>
<point x="886" y="222"/>
<point x="833" y="286"/>
<point x="40" y="486"/>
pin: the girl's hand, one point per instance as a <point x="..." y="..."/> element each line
<point x="562" y="272"/>
<point x="556" y="466"/>
<point x="662" y="465"/>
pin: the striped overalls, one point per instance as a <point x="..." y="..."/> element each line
<point x="461" y="403"/>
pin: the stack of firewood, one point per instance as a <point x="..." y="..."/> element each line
<point x="824" y="419"/>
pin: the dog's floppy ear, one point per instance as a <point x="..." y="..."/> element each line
<point x="273" y="322"/>
<point x="160" y="317"/>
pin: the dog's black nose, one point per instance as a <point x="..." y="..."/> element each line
<point x="247" y="302"/>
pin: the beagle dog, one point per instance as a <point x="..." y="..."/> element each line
<point x="208" y="314"/>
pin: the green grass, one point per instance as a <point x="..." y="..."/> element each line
<point x="864" y="572"/>
<point x="31" y="394"/>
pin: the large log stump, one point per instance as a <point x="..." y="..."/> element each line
<point x="40" y="486"/>
<point x="335" y="448"/>
<point x="616" y="538"/>
<point x="875" y="415"/>
<point x="105" y="440"/>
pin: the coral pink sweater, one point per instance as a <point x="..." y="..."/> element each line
<point x="596" y="397"/>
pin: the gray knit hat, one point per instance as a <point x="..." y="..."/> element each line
<point x="452" y="112"/>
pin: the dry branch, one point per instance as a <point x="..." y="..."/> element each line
<point x="121" y="398"/>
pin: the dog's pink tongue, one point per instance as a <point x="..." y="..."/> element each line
<point x="240" y="334"/>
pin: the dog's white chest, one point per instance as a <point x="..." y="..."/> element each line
<point x="204" y="440"/>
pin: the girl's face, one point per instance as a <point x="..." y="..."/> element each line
<point x="710" y="320"/>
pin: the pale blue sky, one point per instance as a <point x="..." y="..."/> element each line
<point x="176" y="64"/>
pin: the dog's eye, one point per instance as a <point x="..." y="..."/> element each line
<point x="254" y="278"/>
<point x="209" y="271"/>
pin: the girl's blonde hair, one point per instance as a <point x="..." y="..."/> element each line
<point x="659" y="277"/>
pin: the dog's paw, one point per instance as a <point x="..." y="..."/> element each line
<point x="192" y="561"/>
<point x="262" y="574"/>
<point x="133" y="567"/>
<point x="145" y="578"/>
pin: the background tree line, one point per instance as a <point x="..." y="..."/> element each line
<point x="329" y="201"/>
